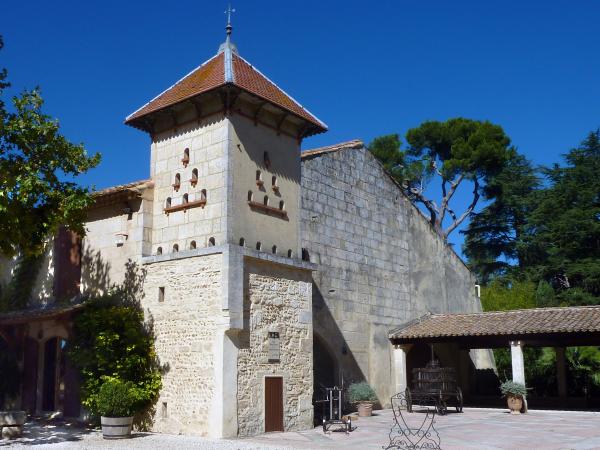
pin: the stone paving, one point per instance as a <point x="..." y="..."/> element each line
<point x="482" y="429"/>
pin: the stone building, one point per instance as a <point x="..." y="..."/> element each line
<point x="267" y="272"/>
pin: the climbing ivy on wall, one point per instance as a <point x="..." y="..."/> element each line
<point x="15" y="295"/>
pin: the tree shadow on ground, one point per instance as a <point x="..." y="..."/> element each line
<point x="44" y="433"/>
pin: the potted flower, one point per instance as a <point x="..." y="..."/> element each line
<point x="363" y="395"/>
<point x="514" y="393"/>
<point x="116" y="404"/>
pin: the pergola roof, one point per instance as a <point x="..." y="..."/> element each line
<point x="537" y="325"/>
<point x="36" y="314"/>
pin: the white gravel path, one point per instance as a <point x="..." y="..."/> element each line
<point x="59" y="438"/>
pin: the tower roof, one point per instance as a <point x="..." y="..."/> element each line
<point x="226" y="68"/>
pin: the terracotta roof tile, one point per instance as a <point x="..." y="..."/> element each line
<point x="217" y="72"/>
<point x="502" y="323"/>
<point x="209" y="75"/>
<point x="251" y="80"/>
<point x="133" y="186"/>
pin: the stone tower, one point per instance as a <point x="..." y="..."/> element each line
<point x="227" y="291"/>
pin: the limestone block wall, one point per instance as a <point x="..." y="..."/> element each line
<point x="439" y="279"/>
<point x="380" y="264"/>
<point x="276" y="299"/>
<point x="207" y="143"/>
<point x="184" y="326"/>
<point x="354" y="226"/>
<point x="248" y="145"/>
<point x="103" y="261"/>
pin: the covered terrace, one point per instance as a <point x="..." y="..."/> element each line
<point x="559" y="328"/>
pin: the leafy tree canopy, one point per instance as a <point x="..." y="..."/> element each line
<point x="543" y="225"/>
<point x="496" y="235"/>
<point x="454" y="151"/>
<point x="36" y="162"/>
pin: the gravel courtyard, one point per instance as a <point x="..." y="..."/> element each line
<point x="474" y="429"/>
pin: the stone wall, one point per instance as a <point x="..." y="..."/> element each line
<point x="276" y="299"/>
<point x="248" y="144"/>
<point x="102" y="260"/>
<point x="354" y="225"/>
<point x="380" y="264"/>
<point x="207" y="143"/>
<point x="184" y="329"/>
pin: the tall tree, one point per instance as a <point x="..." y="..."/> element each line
<point x="37" y="165"/>
<point x="496" y="238"/>
<point x="456" y="151"/>
<point x="565" y="226"/>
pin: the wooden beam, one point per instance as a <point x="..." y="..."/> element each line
<point x="257" y="111"/>
<point x="280" y="122"/>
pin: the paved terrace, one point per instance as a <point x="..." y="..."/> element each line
<point x="474" y="429"/>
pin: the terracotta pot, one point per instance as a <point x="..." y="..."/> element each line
<point x="514" y="404"/>
<point x="116" y="427"/>
<point x="365" y="409"/>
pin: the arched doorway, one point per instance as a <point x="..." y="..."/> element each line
<point x="325" y="367"/>
<point x="325" y="374"/>
<point x="60" y="383"/>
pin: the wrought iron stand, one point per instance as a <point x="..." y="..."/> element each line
<point x="335" y="416"/>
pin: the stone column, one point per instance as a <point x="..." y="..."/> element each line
<point x="401" y="376"/>
<point x="518" y="366"/>
<point x="561" y="374"/>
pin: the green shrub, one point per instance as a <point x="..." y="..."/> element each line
<point x="110" y="341"/>
<point x="117" y="398"/>
<point x="361" y="392"/>
<point x="510" y="388"/>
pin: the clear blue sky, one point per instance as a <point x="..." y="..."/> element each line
<point x="365" y="68"/>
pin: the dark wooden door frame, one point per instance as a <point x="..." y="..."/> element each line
<point x="273" y="403"/>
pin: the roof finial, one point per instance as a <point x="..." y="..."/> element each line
<point x="228" y="44"/>
<point x="228" y="28"/>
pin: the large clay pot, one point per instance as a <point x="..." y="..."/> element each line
<point x="116" y="427"/>
<point x="365" y="409"/>
<point x="515" y="404"/>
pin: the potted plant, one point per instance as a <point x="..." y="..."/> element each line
<point x="116" y="404"/>
<point x="514" y="393"/>
<point x="363" y="395"/>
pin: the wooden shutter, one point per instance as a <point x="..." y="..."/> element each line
<point x="67" y="264"/>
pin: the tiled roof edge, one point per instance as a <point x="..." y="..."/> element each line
<point x="140" y="184"/>
<point x="323" y="124"/>
<point x="132" y="115"/>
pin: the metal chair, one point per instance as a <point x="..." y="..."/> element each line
<point x="413" y="436"/>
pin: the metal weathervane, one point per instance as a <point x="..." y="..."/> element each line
<point x="228" y="12"/>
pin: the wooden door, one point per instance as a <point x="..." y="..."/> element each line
<point x="30" y="375"/>
<point x="273" y="404"/>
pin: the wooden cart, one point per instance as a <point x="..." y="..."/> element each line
<point x="434" y="384"/>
